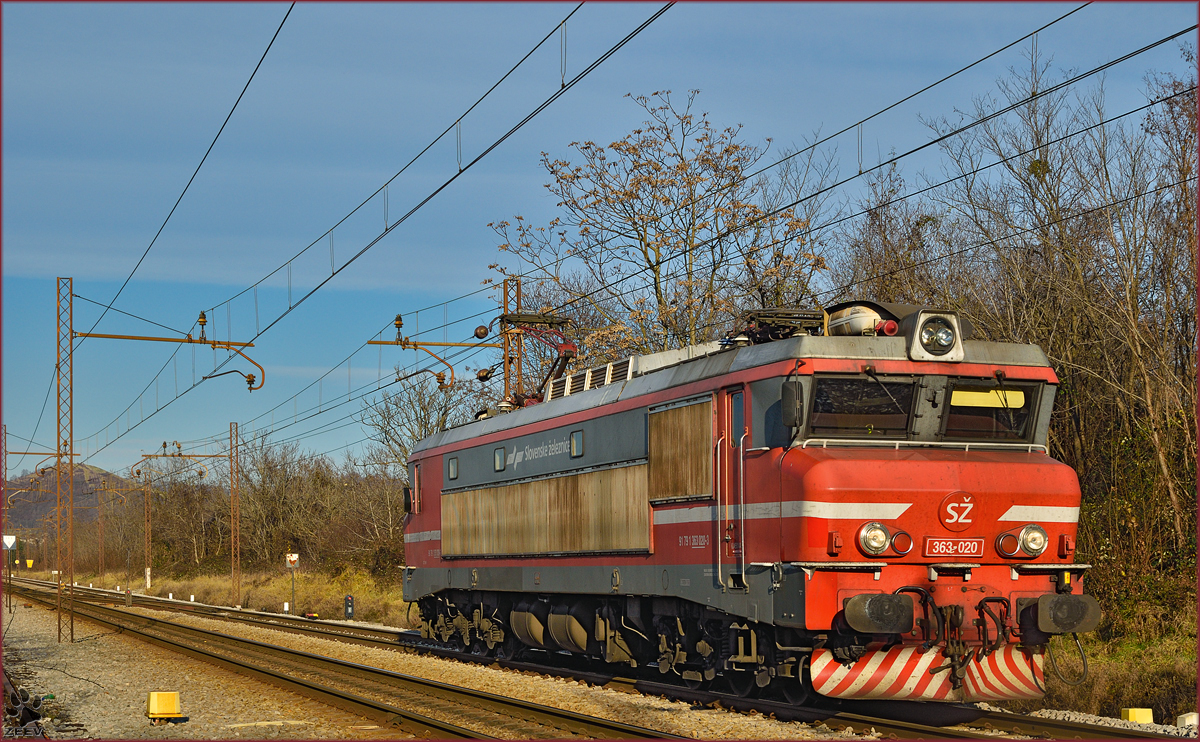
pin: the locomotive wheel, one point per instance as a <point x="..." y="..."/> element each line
<point x="740" y="684"/>
<point x="507" y="649"/>
<point x="796" y="691"/>
<point x="696" y="684"/>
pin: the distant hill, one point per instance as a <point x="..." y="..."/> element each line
<point x="27" y="507"/>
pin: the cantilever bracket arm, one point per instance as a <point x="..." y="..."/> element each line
<point x="440" y="376"/>
<point x="224" y="345"/>
<point x="249" y="377"/>
<point x="13" y="497"/>
<point x="407" y="344"/>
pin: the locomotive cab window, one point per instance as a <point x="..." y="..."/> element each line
<point x="416" y="489"/>
<point x="861" y="407"/>
<point x="985" y="410"/>
<point x="452" y="468"/>
<point x="737" y="419"/>
<point x="576" y="444"/>
<point x="498" y="459"/>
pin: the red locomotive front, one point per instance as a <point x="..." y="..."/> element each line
<point x="856" y="504"/>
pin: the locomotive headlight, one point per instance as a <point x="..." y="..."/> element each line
<point x="937" y="336"/>
<point x="1033" y="540"/>
<point x="873" y="538"/>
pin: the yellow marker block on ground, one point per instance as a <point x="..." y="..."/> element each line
<point x="1141" y="716"/>
<point x="163" y="705"/>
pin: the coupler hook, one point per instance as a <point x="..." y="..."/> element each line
<point x="1001" y="622"/>
<point x="928" y="606"/>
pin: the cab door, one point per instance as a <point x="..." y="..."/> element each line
<point x="733" y="436"/>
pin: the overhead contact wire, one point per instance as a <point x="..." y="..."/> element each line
<point x="562" y="25"/>
<point x="194" y="174"/>
<point x="555" y="96"/>
<point x="896" y="158"/>
<point x="890" y="161"/>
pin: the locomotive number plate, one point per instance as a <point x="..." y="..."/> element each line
<point x="959" y="547"/>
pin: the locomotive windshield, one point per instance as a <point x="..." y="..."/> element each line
<point x="981" y="411"/>
<point x="861" y="407"/>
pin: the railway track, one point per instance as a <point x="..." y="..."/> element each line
<point x="890" y="719"/>
<point x="359" y="689"/>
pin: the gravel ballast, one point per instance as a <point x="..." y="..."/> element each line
<point x="100" y="684"/>
<point x="1083" y="718"/>
<point x="102" y="680"/>
<point x="645" y="711"/>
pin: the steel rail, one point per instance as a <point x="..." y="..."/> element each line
<point x="838" y="713"/>
<point x="558" y="719"/>
<point x="834" y="718"/>
<point x="418" y="724"/>
<point x="372" y="637"/>
<point x="1035" y="726"/>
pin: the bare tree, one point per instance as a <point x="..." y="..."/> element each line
<point x="655" y="230"/>
<point x="415" y="410"/>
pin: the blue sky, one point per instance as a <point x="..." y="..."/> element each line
<point x="107" y="110"/>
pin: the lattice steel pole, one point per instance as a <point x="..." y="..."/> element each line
<point x="4" y="494"/>
<point x="146" y="529"/>
<point x="514" y="346"/>
<point x="507" y="341"/>
<point x="100" y="537"/>
<point x="65" y="472"/>
<point x="235" y="520"/>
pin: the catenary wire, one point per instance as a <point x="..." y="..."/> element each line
<point x="812" y="146"/>
<point x="328" y="426"/>
<point x="194" y="174"/>
<point x="504" y="137"/>
<point x="555" y="96"/>
<point x="897" y="103"/>
<point x="977" y="170"/>
<point x="890" y="161"/>
<point x="996" y="242"/>
<point x="844" y="130"/>
<point x="761" y="170"/>
<point x="363" y="203"/>
<point x="333" y="403"/>
<point x="778" y="162"/>
<point x="164" y="224"/>
<point x="350" y="396"/>
<point x="409" y="164"/>
<point x="967" y="174"/>
<point x="977" y="122"/>
<point x="320" y="429"/>
<point x="909" y="97"/>
<point x="127" y="314"/>
<point x="376" y="193"/>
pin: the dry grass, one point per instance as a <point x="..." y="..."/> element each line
<point x="1158" y="674"/>
<point x="315" y="593"/>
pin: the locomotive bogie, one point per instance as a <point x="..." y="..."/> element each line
<point x="675" y="636"/>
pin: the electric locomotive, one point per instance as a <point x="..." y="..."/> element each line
<point x="855" y="503"/>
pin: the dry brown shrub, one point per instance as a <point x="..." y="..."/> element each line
<point x="1160" y="675"/>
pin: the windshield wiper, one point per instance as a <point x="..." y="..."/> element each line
<point x="1004" y="398"/>
<point x="870" y="372"/>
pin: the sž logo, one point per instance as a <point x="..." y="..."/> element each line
<point x="957" y="511"/>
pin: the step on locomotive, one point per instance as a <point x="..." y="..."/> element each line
<point x="855" y="502"/>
